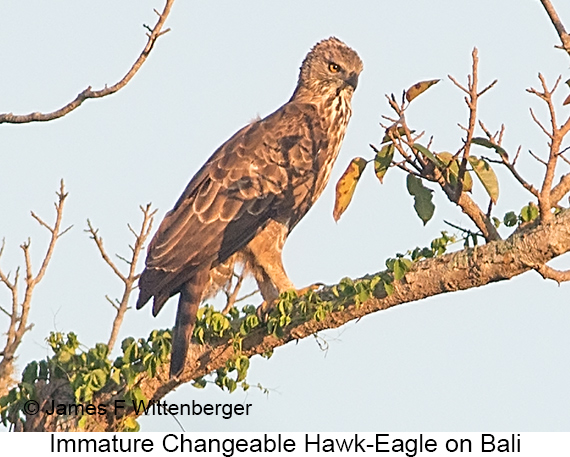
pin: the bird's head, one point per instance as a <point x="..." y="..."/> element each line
<point x="329" y="67"/>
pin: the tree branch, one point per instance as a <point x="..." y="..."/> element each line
<point x="155" y="33"/>
<point x="529" y="248"/>
<point x="564" y="36"/>
<point x="131" y="277"/>
<point x="20" y="310"/>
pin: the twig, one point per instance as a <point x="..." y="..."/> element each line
<point x="88" y="93"/>
<point x="131" y="277"/>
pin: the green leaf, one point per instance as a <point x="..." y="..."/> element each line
<point x="419" y="88"/>
<point x="199" y="383"/>
<point x="452" y="170"/>
<point x="396" y="132"/>
<point x="44" y="370"/>
<point x="422" y="198"/>
<point x="401" y="267"/>
<point x="230" y="384"/>
<point x="138" y="396"/>
<point x="383" y="160"/>
<point x="98" y="379"/>
<point x="130" y="424"/>
<point x="510" y="219"/>
<point x="346" y="185"/>
<point x="389" y="288"/>
<point x="429" y="155"/>
<point x="242" y="365"/>
<point x="82" y="422"/>
<point x="116" y="375"/>
<point x="487" y="177"/>
<point x="529" y="213"/>
<point x="488" y="144"/>
<point x="30" y="373"/>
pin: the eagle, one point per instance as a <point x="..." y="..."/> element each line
<point x="248" y="196"/>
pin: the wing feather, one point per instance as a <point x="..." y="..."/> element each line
<point x="251" y="179"/>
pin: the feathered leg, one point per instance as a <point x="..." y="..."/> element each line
<point x="190" y="298"/>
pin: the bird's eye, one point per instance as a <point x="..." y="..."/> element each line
<point x="334" y="68"/>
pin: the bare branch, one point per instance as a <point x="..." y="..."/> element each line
<point x="20" y="309"/>
<point x="458" y="84"/>
<point x="490" y="86"/>
<point x="88" y="93"/>
<point x="542" y="127"/>
<point x="564" y="36"/>
<point x="131" y="277"/>
<point x="99" y="242"/>
<point x="538" y="159"/>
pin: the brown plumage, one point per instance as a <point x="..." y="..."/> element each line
<point x="249" y="195"/>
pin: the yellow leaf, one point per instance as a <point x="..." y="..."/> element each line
<point x="346" y="185"/>
<point x="419" y="88"/>
<point x="453" y="171"/>
<point x="487" y="177"/>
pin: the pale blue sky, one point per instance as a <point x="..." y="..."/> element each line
<point x="495" y="358"/>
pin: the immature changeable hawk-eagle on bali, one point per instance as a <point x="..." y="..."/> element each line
<point x="248" y="196"/>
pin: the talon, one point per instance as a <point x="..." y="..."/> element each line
<point x="263" y="310"/>
<point x="304" y="290"/>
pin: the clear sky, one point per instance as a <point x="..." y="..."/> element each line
<point x="494" y="358"/>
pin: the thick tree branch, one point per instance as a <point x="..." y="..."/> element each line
<point x="154" y="34"/>
<point x="529" y="248"/>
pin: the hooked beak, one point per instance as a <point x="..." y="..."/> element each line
<point x="352" y="80"/>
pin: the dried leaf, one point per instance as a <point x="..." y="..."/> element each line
<point x="487" y="177"/>
<point x="419" y="88"/>
<point x="346" y="185"/>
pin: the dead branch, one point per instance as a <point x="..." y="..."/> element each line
<point x="505" y="160"/>
<point x="548" y="196"/>
<point x="564" y="36"/>
<point x="20" y="310"/>
<point x="131" y="277"/>
<point x="155" y="33"/>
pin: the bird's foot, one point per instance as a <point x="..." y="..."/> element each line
<point x="312" y="287"/>
<point x="267" y="306"/>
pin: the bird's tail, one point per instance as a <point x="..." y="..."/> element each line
<point x="190" y="298"/>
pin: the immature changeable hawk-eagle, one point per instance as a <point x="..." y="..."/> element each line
<point x="249" y="195"/>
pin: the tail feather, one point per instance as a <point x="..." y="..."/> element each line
<point x="190" y="297"/>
